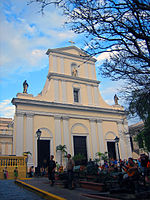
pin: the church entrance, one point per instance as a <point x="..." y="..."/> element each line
<point x="43" y="152"/>
<point x="111" y="150"/>
<point x="80" y="146"/>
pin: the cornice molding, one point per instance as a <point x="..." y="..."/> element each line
<point x="71" y="78"/>
<point x="6" y="136"/>
<point x="17" y="101"/>
<point x="83" y="55"/>
<point x="62" y="116"/>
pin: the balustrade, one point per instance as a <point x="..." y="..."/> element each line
<point x="11" y="162"/>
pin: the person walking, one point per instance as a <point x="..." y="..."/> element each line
<point x="51" y="170"/>
<point x="70" y="165"/>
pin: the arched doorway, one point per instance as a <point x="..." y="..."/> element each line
<point x="80" y="140"/>
<point x="43" y="148"/>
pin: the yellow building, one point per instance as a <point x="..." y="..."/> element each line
<point x="6" y="136"/>
<point x="69" y="111"/>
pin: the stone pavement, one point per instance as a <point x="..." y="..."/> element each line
<point x="10" y="191"/>
<point x="42" y="183"/>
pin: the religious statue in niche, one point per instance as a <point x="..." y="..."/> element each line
<point x="74" y="72"/>
<point x="25" y="86"/>
<point x="116" y="99"/>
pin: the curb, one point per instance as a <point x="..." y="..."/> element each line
<point x="40" y="192"/>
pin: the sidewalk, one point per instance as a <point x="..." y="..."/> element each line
<point x="42" y="186"/>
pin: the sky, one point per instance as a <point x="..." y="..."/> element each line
<point x="25" y="36"/>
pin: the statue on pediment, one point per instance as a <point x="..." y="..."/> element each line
<point x="25" y="86"/>
<point x="74" y="72"/>
<point x="116" y="99"/>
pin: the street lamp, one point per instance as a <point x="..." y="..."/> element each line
<point x="117" y="141"/>
<point x="38" y="133"/>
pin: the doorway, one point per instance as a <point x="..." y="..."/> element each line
<point x="80" y="146"/>
<point x="43" y="152"/>
<point x="111" y="150"/>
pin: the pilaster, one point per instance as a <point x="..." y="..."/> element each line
<point x="29" y="137"/>
<point x="93" y="136"/>
<point x="57" y="133"/>
<point x="100" y="136"/>
<point x="66" y="133"/>
<point x="19" y="134"/>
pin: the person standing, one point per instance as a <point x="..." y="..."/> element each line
<point x="51" y="170"/>
<point x="5" y="173"/>
<point x="70" y="165"/>
<point x="16" y="173"/>
<point x="31" y="171"/>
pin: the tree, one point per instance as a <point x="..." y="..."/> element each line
<point x="62" y="149"/>
<point x="120" y="28"/>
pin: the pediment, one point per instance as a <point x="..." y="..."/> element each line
<point x="70" y="50"/>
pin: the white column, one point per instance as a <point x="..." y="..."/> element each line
<point x="94" y="137"/>
<point x="96" y="99"/>
<point x="56" y="90"/>
<point x="57" y="134"/>
<point x="128" y="143"/>
<point x="62" y="65"/>
<point x="89" y="92"/>
<point x="19" y="135"/>
<point x="54" y="64"/>
<point x="100" y="136"/>
<point x="3" y="148"/>
<point x="86" y="70"/>
<point x="93" y="71"/>
<point x="29" y="138"/>
<point x="64" y="92"/>
<point x="9" y="148"/>
<point x="121" y="141"/>
<point x="122" y="154"/>
<point x="66" y="133"/>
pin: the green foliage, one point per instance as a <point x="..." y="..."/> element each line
<point x="144" y="135"/>
<point x="62" y="149"/>
<point x="79" y="159"/>
<point x="102" y="156"/>
<point x="140" y="104"/>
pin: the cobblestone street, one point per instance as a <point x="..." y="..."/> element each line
<point x="10" y="191"/>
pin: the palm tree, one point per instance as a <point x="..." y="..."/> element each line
<point x="102" y="156"/>
<point x="62" y="149"/>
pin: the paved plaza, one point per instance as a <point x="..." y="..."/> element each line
<point x="79" y="193"/>
<point x="9" y="190"/>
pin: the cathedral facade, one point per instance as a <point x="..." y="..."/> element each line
<point x="69" y="111"/>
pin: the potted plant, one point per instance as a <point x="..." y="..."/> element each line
<point x="62" y="149"/>
<point x="102" y="156"/>
<point x="79" y="159"/>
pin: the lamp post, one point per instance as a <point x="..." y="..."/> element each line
<point x="117" y="141"/>
<point x="38" y="133"/>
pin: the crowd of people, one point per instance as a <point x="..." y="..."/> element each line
<point x="131" y="168"/>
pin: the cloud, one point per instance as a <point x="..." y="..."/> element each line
<point x="27" y="35"/>
<point x="7" y="109"/>
<point x="109" y="88"/>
